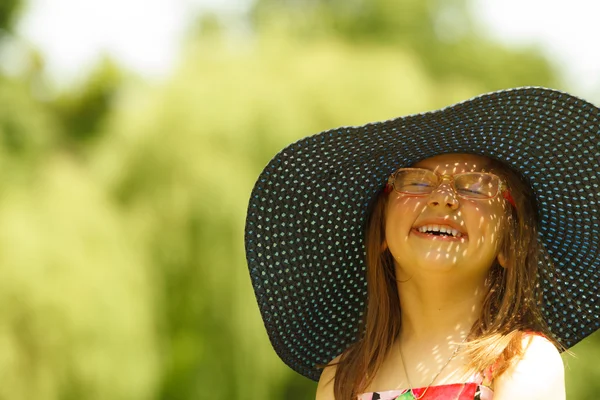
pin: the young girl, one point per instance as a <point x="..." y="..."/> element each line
<point x="445" y="255"/>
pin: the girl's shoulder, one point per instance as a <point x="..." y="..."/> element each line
<point x="537" y="374"/>
<point x="326" y="381"/>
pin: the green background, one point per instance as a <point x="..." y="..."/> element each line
<point x="123" y="200"/>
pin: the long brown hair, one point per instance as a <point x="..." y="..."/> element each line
<point x="511" y="307"/>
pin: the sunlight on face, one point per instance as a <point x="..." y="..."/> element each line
<point x="446" y="229"/>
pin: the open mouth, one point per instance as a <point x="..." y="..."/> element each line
<point x="439" y="231"/>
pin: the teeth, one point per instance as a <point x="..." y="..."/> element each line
<point x="439" y="228"/>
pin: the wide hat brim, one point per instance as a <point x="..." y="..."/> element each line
<point x="305" y="224"/>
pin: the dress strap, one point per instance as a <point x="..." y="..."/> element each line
<point x="484" y="377"/>
<point x="488" y="376"/>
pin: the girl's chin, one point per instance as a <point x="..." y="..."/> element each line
<point x="437" y="259"/>
<point x="440" y="263"/>
<point x="429" y="269"/>
<point x="439" y="250"/>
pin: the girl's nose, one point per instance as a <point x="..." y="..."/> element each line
<point x="444" y="195"/>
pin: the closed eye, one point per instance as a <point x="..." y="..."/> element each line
<point x="467" y="191"/>
<point x="420" y="184"/>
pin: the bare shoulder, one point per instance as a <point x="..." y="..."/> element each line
<point x="538" y="375"/>
<point x="326" y="381"/>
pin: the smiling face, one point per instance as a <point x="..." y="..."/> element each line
<point x="472" y="227"/>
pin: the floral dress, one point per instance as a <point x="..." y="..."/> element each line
<point x="477" y="388"/>
<point x="455" y="391"/>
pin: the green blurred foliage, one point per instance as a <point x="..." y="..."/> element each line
<point x="582" y="370"/>
<point x="75" y="298"/>
<point x="122" y="209"/>
<point x="9" y="11"/>
<point x="82" y="109"/>
<point x="440" y="33"/>
<point x="27" y="129"/>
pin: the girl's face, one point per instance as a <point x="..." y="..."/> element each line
<point x="478" y="222"/>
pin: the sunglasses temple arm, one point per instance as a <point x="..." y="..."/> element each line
<point x="389" y="185"/>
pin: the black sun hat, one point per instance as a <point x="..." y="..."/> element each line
<point x="307" y="212"/>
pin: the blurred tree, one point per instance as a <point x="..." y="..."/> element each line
<point x="81" y="110"/>
<point x="9" y="11"/>
<point x="440" y="33"/>
<point x="583" y="370"/>
<point x="27" y="130"/>
<point x="74" y="290"/>
<point x="74" y="294"/>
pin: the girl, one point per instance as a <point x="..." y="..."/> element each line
<point x="445" y="255"/>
